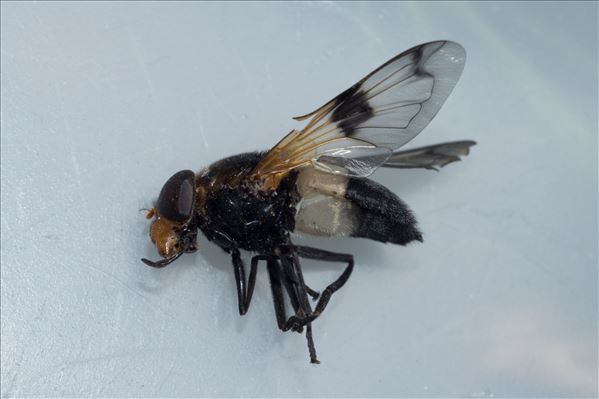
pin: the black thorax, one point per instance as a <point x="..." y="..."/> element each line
<point x="237" y="215"/>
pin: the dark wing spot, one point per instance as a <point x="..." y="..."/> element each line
<point x="351" y="110"/>
<point x="417" y="60"/>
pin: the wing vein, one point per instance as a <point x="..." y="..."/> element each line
<point x="358" y="129"/>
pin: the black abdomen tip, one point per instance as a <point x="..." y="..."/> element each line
<point x="383" y="216"/>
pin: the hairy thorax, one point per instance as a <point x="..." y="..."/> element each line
<point x="233" y="212"/>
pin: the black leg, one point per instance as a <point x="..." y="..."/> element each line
<point x="292" y="267"/>
<point x="293" y="273"/>
<point x="309" y="337"/>
<point x="239" y="271"/>
<point x="291" y="290"/>
<point x="274" y="276"/>
<point x="311" y="348"/>
<point x="252" y="279"/>
<point x="312" y="293"/>
<point x="314" y="253"/>
<point x="319" y="254"/>
<point x="245" y="292"/>
<point x="276" y="279"/>
<point x="291" y="278"/>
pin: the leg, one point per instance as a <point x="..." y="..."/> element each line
<point x="312" y="293"/>
<point x="296" y="281"/>
<point x="290" y="277"/>
<point x="318" y="254"/>
<point x="252" y="279"/>
<point x="274" y="276"/>
<point x="290" y="287"/>
<point x="245" y="292"/>
<point x="311" y="348"/>
<point x="245" y="296"/>
<point x="239" y="271"/>
<point x="291" y="291"/>
<point x="292" y="268"/>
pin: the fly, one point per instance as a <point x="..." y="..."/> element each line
<point x="314" y="181"/>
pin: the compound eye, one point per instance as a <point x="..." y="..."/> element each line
<point x="177" y="197"/>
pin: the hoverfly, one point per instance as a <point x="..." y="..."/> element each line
<point x="314" y="181"/>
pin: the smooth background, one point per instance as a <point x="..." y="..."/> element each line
<point x="102" y="102"/>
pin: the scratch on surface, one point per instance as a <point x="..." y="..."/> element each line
<point x="342" y="11"/>
<point x="119" y="373"/>
<point x="157" y="60"/>
<point x="68" y="129"/>
<point x="166" y="376"/>
<point x="202" y="133"/>
<point x="268" y="75"/>
<point x="140" y="61"/>
<point x="79" y="181"/>
<point x="220" y="104"/>
<point x="60" y="367"/>
<point x="552" y="103"/>
<point x="7" y="54"/>
<point x="74" y="161"/>
<point x="125" y="285"/>
<point x="75" y="165"/>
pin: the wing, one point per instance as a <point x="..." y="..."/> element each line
<point x="358" y="130"/>
<point x="430" y="157"/>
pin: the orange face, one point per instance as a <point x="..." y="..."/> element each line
<point x="163" y="235"/>
<point x="174" y="228"/>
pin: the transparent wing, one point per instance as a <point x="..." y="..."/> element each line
<point x="430" y="157"/>
<point x="358" y="130"/>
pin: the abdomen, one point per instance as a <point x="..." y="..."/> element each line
<point x="335" y="205"/>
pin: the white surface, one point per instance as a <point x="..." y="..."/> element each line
<point x="102" y="102"/>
